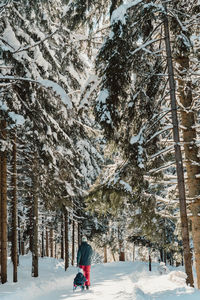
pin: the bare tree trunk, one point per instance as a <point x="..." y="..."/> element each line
<point x="178" y="157"/>
<point x="121" y="245"/>
<point x="55" y="249"/>
<point x="192" y="160"/>
<point x="73" y="241"/>
<point x="62" y="239"/>
<point x="19" y="237"/>
<point x="47" y="242"/>
<point x="79" y="233"/>
<point x="66" y="240"/>
<point x="133" y="252"/>
<point x="14" y="211"/>
<point x="105" y="254"/>
<point x="0" y="208"/>
<point x="42" y="252"/>
<point x="121" y="253"/>
<point x="30" y="213"/>
<point x="3" y="207"/>
<point x="22" y="247"/>
<point x="35" y="218"/>
<point x="51" y="242"/>
<point x="113" y="255"/>
<point x="150" y="263"/>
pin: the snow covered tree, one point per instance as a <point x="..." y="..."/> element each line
<point x="133" y="88"/>
<point x="3" y="200"/>
<point x="184" y="31"/>
<point x="41" y="64"/>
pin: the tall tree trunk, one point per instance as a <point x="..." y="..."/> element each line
<point x="121" y="245"/>
<point x="14" y="211"/>
<point x="66" y="240"/>
<point x="133" y="251"/>
<point x="3" y="207"/>
<point x="178" y="157"/>
<point x="62" y="239"/>
<point x="105" y="254"/>
<point x="0" y="208"/>
<point x="73" y="241"/>
<point x="47" y="242"/>
<point x="22" y="246"/>
<point x="31" y="229"/>
<point x="150" y="267"/>
<point x="35" y="218"/>
<point x="113" y="255"/>
<point x="42" y="252"/>
<point x="192" y="160"/>
<point x="161" y="254"/>
<point x="55" y="249"/>
<point x="19" y="237"/>
<point x="79" y="233"/>
<point x="51" y="242"/>
<point x="121" y="251"/>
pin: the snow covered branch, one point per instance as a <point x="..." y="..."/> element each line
<point x="45" y="83"/>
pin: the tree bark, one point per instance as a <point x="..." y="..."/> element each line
<point x="73" y="241"/>
<point x="35" y="218"/>
<point x="121" y="245"/>
<point x="14" y="211"/>
<point x="62" y="239"/>
<point x="51" y="242"/>
<point x="178" y="157"/>
<point x="192" y="160"/>
<point x="30" y="213"/>
<point x="19" y="237"/>
<point x="150" y="263"/>
<point x="79" y="233"/>
<point x="133" y="252"/>
<point x="66" y="240"/>
<point x="42" y="250"/>
<point x="3" y="207"/>
<point x="105" y="254"/>
<point x="113" y="255"/>
<point x="55" y="249"/>
<point x="47" y="242"/>
<point x="121" y="252"/>
<point x="0" y="207"/>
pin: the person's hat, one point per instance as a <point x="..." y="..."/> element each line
<point x="84" y="238"/>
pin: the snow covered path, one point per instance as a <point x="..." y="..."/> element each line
<point x="112" y="281"/>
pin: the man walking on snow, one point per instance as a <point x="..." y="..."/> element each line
<point x="84" y="256"/>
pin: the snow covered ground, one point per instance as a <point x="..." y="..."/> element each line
<point x="111" y="281"/>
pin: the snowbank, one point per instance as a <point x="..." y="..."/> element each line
<point x="113" y="281"/>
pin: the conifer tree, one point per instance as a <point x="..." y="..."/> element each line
<point x="183" y="30"/>
<point x="3" y="127"/>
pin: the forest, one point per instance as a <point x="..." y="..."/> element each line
<point x="99" y="119"/>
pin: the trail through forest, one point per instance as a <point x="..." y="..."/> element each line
<point x="113" y="281"/>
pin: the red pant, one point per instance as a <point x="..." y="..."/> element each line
<point x="86" y="273"/>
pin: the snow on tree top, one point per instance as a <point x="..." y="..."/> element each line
<point x="119" y="13"/>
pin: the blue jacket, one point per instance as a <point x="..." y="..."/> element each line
<point x="84" y="254"/>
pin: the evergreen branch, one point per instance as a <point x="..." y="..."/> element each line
<point x="165" y="150"/>
<point x="159" y="132"/>
<point x="160" y="118"/>
<point x="96" y="131"/>
<point x="146" y="44"/>
<point x="37" y="43"/>
<point x="154" y="30"/>
<point x="162" y="167"/>
<point x="5" y="42"/>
